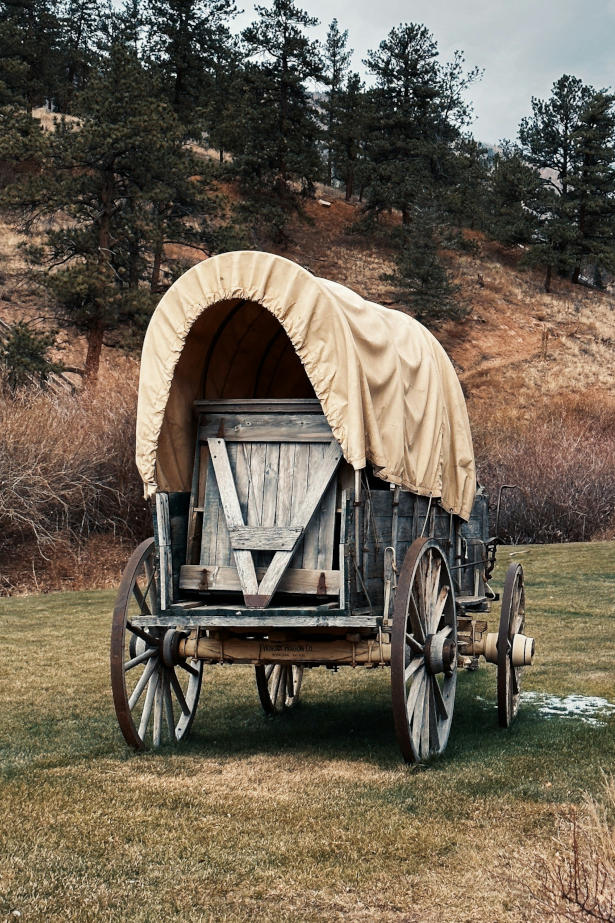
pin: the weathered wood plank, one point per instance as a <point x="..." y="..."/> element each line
<point x="239" y="456"/>
<point x="163" y="528"/>
<point x="310" y="539"/>
<point x="220" y="617"/>
<point x="266" y="428"/>
<point x="256" y="479"/>
<point x="232" y="511"/>
<point x="212" y="577"/>
<point x="258" y="405"/>
<point x="326" y="527"/>
<point x="286" y="475"/>
<point x="211" y="505"/>
<point x="193" y="537"/>
<point x="299" y="490"/>
<point x="270" y="484"/>
<point x="321" y="479"/>
<point x="266" y="538"/>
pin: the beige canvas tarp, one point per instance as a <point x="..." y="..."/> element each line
<point x="250" y="324"/>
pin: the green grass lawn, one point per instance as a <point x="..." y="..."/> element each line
<point x="309" y="817"/>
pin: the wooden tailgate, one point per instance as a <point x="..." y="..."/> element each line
<point x="264" y="495"/>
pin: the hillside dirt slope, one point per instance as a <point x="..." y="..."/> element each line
<point x="517" y="346"/>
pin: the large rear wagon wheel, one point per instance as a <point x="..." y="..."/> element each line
<point x="155" y="692"/>
<point x="279" y="685"/>
<point x="512" y="622"/>
<point x="423" y="652"/>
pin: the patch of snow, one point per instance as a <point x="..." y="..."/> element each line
<point x="590" y="709"/>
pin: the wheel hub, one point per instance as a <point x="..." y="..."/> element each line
<point x="440" y="654"/>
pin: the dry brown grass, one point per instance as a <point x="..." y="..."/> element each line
<point x="561" y="455"/>
<point x="67" y="464"/>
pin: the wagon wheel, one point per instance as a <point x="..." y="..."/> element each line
<point x="423" y="652"/>
<point x="155" y="692"/>
<point x="279" y="685"/>
<point x="512" y="622"/>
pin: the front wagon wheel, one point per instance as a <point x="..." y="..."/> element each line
<point x="155" y="692"/>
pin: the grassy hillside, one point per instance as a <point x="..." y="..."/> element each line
<point x="309" y="818"/>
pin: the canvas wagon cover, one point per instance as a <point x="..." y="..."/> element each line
<point x="386" y="386"/>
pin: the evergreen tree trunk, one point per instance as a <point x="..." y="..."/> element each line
<point x="349" y="185"/>
<point x="92" y="359"/>
<point x="548" y="278"/>
<point x="576" y="272"/>
<point x="155" y="280"/>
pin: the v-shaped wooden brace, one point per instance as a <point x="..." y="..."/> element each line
<point x="246" y="539"/>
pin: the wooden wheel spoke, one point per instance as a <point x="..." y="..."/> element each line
<point x="414" y="644"/>
<point x="149" y="701"/>
<point x="417" y="714"/>
<point x="439" y="701"/>
<point x="415" y="620"/>
<point x="142" y="683"/>
<point x="277" y="679"/>
<point x="141" y="633"/>
<point x="445" y="632"/>
<point x="290" y="683"/>
<point x="269" y="670"/>
<point x="141" y="600"/>
<point x="425" y="716"/>
<point x="434" y="725"/>
<point x="189" y="669"/>
<point x="168" y="707"/>
<point x="414" y="692"/>
<point x="414" y="665"/>
<point x="179" y="693"/>
<point x="434" y="597"/>
<point x="439" y="608"/>
<point x="151" y="580"/>
<point x="514" y="675"/>
<point x="157" y="728"/>
<point x="421" y="589"/>
<point x="140" y="658"/>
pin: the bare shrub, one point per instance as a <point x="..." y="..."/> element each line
<point x="578" y="883"/>
<point x="67" y="464"/>
<point x="562" y="457"/>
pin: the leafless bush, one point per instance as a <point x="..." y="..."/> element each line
<point x="579" y="882"/>
<point x="563" y="460"/>
<point x="67" y="464"/>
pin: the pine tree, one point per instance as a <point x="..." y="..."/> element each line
<point x="570" y="139"/>
<point x="81" y="21"/>
<point x="29" y="52"/>
<point x="594" y="187"/>
<point x="120" y="178"/>
<point x="418" y="113"/>
<point x="186" y="39"/>
<point x="348" y="138"/>
<point x="336" y="58"/>
<point x="276" y="146"/>
<point x="24" y="357"/>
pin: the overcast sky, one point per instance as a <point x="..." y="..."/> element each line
<point x="523" y="45"/>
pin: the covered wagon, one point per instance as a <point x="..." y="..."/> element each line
<point x="309" y="460"/>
